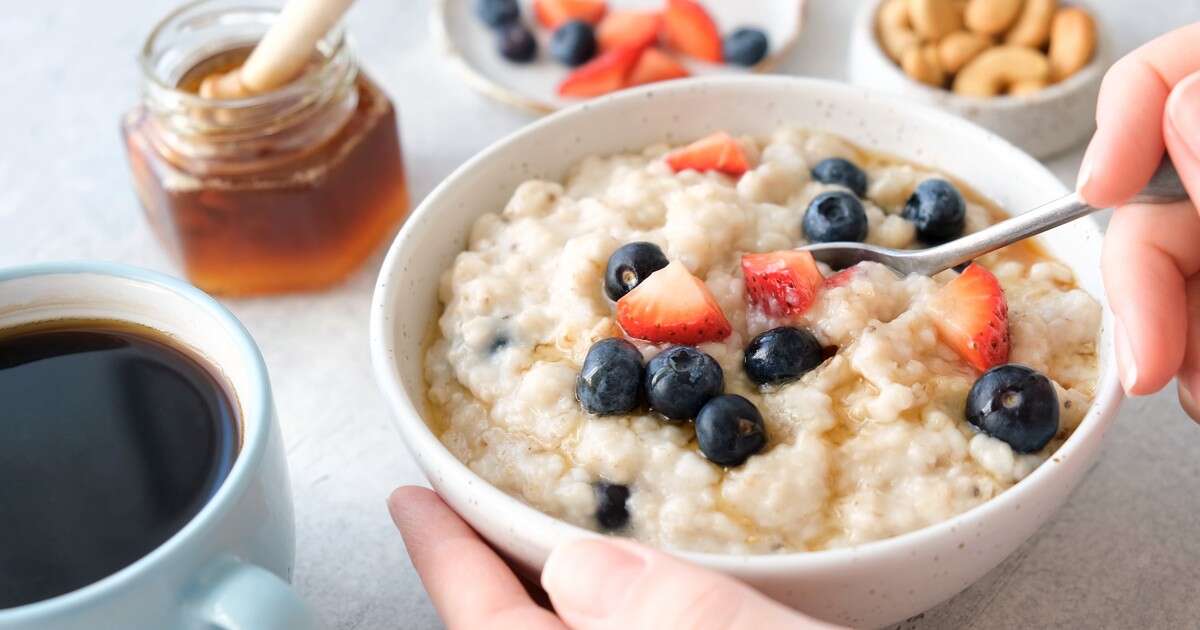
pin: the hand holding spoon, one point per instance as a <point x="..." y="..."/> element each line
<point x="1164" y="187"/>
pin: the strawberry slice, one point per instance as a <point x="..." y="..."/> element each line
<point x="625" y="28"/>
<point x="971" y="316"/>
<point x="606" y="73"/>
<point x="689" y="29"/>
<point x="672" y="306"/>
<point x="718" y="152"/>
<point x="655" y="65"/>
<point x="552" y="13"/>
<point x="783" y="283"/>
<point x="841" y="278"/>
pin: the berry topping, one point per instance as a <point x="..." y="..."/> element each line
<point x="603" y="74"/>
<point x="655" y="65"/>
<point x="680" y="379"/>
<point x="782" y="354"/>
<point x="516" y="43"/>
<point x="628" y="29"/>
<point x="629" y="265"/>
<point x="573" y="43"/>
<point x="729" y="430"/>
<point x="841" y="278"/>
<point x="611" y="509"/>
<point x="610" y="380"/>
<point x="690" y="30"/>
<point x="672" y="306"/>
<point x="835" y="216"/>
<point x="745" y="46"/>
<point x="783" y="283"/>
<point x="553" y="13"/>
<point x="497" y="13"/>
<point x="1014" y="404"/>
<point x="718" y="152"/>
<point x="843" y="173"/>
<point x="971" y="316"/>
<point x="938" y="210"/>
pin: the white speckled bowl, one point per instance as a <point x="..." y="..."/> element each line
<point x="1043" y="123"/>
<point x="871" y="585"/>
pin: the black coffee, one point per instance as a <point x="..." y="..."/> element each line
<point x="111" y="440"/>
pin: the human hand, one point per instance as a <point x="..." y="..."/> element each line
<point x="594" y="584"/>
<point x="1150" y="100"/>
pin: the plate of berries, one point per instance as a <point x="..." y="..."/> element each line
<point x="541" y="55"/>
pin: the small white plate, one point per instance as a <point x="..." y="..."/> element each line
<point x="471" y="46"/>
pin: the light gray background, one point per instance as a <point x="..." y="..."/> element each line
<point x="1125" y="551"/>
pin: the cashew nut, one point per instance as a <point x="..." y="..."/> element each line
<point x="959" y="47"/>
<point x="1033" y="25"/>
<point x="933" y="19"/>
<point x="1022" y="88"/>
<point x="997" y="69"/>
<point x="894" y="29"/>
<point x="921" y="63"/>
<point x="991" y="17"/>
<point x="1072" y="41"/>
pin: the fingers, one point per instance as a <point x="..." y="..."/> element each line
<point x="469" y="584"/>
<point x="1189" y="373"/>
<point x="1128" y="142"/>
<point x="1149" y="250"/>
<point x="601" y="584"/>
<point x="1181" y="130"/>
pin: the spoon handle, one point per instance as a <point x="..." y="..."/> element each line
<point x="1164" y="187"/>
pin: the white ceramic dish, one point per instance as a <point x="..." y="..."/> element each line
<point x="471" y="47"/>
<point x="1043" y="123"/>
<point x="871" y="585"/>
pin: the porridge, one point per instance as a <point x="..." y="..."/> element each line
<point x="640" y="350"/>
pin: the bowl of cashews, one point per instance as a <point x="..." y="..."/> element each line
<point x="1029" y="70"/>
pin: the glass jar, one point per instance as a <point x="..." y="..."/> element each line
<point x="284" y="191"/>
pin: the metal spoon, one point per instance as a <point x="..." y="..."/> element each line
<point x="1164" y="187"/>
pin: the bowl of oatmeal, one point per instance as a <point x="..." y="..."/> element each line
<point x="600" y="325"/>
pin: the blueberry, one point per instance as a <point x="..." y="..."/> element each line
<point x="573" y="43"/>
<point x="1015" y="404"/>
<point x="729" y="429"/>
<point x="745" y="46"/>
<point x="629" y="265"/>
<point x="843" y="173"/>
<point x="680" y="379"/>
<point x="610" y="380"/>
<point x="611" y="510"/>
<point x="497" y="13"/>
<point x="781" y="354"/>
<point x="938" y="210"/>
<point x="517" y="43"/>
<point x="835" y="216"/>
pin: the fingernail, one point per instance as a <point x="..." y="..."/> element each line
<point x="1188" y="402"/>
<point x="1085" y="170"/>
<point x="1183" y="110"/>
<point x="590" y="577"/>
<point x="1126" y="362"/>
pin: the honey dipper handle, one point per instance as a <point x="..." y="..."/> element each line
<point x="288" y="45"/>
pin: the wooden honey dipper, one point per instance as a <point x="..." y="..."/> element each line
<point x="282" y="53"/>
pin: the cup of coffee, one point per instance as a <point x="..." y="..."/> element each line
<point x="143" y="482"/>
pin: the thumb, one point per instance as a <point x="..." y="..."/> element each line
<point x="599" y="584"/>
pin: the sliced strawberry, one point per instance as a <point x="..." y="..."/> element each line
<point x="689" y="29"/>
<point x="672" y="306"/>
<point x="552" y="13"/>
<point x="718" y="152"/>
<point x="655" y="65"/>
<point x="632" y="29"/>
<point x="841" y="278"/>
<point x="971" y="316"/>
<point x="607" y="73"/>
<point x="783" y="283"/>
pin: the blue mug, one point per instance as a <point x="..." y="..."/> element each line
<point x="230" y="566"/>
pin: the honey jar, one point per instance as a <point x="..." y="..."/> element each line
<point x="283" y="191"/>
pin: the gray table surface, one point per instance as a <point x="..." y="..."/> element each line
<point x="1123" y="553"/>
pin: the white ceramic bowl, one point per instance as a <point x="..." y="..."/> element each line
<point x="870" y="585"/>
<point x="1043" y="123"/>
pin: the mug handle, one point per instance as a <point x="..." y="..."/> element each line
<point x="235" y="595"/>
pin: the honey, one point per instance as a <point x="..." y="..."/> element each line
<point x="286" y="191"/>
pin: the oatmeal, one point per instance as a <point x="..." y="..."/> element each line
<point x="856" y="399"/>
